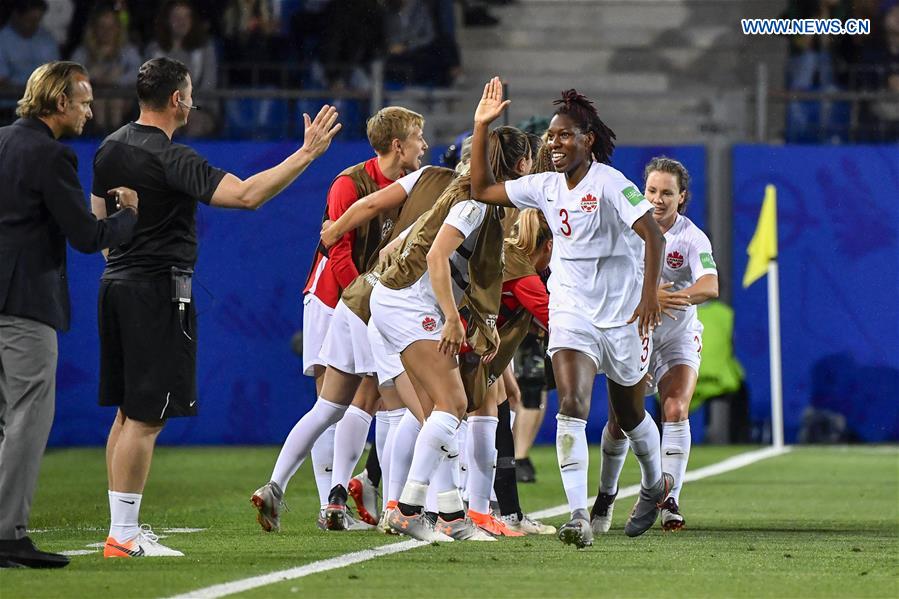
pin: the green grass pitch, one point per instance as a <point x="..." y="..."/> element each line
<point x="817" y="522"/>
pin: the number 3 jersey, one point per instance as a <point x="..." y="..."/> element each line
<point x="688" y="256"/>
<point x="597" y="259"/>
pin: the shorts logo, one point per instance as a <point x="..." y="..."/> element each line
<point x="588" y="203"/>
<point x="429" y="324"/>
<point x="674" y="259"/>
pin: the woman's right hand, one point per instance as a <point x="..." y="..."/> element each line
<point x="492" y="104"/>
<point x="452" y="337"/>
<point x="672" y="300"/>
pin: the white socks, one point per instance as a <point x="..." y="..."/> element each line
<point x="461" y="472"/>
<point x="675" y="453"/>
<point x="613" y="453"/>
<point x="481" y="461"/>
<point x="300" y="440"/>
<point x="385" y="456"/>
<point x="401" y="455"/>
<point x="124" y="510"/>
<point x="433" y="445"/>
<point x="571" y="450"/>
<point x="349" y="443"/>
<point x="323" y="463"/>
<point x="645" y="442"/>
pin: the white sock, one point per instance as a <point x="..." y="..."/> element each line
<point x="462" y="467"/>
<point x="124" y="511"/>
<point x="613" y="453"/>
<point x="443" y="477"/>
<point x="675" y="453"/>
<point x="432" y="446"/>
<point x="645" y="443"/>
<point x="323" y="463"/>
<point x="449" y="502"/>
<point x="304" y="434"/>
<point x="571" y="451"/>
<point x="349" y="443"/>
<point x="482" y="461"/>
<point x="382" y="428"/>
<point x="401" y="455"/>
<point x="393" y="418"/>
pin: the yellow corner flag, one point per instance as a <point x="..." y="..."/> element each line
<point x="763" y="246"/>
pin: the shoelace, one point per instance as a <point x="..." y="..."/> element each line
<point x="147" y="533"/>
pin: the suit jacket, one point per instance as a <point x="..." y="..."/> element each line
<point x="41" y="205"/>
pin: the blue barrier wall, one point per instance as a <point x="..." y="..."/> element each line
<point x="249" y="278"/>
<point x="839" y="274"/>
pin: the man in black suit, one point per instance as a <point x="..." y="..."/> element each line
<point x="41" y="206"/>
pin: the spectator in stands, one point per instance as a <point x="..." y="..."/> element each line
<point x="57" y="19"/>
<point x="24" y="44"/>
<point x="181" y="36"/>
<point x="111" y="61"/>
<point x="249" y="28"/>
<point x="414" y="53"/>
<point x="882" y="60"/>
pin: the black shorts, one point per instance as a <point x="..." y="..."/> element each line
<point x="148" y="350"/>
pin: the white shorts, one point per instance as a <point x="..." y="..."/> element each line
<point x="684" y="347"/>
<point x="619" y="352"/>
<point x="346" y="345"/>
<point x="388" y="365"/>
<point x="404" y="317"/>
<point x="316" y="320"/>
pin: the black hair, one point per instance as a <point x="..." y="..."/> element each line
<point x="158" y="79"/>
<point x="663" y="164"/>
<point x="580" y="109"/>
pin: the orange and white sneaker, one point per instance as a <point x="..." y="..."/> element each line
<point x="144" y="544"/>
<point x="492" y="525"/>
<point x="365" y="494"/>
<point x="416" y="526"/>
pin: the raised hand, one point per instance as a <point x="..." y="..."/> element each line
<point x="320" y="131"/>
<point x="492" y="104"/>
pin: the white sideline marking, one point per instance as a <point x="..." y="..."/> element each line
<point x="246" y="584"/>
<point x="733" y="463"/>
<point x="229" y="588"/>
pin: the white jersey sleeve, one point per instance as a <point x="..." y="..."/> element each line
<point x="407" y="182"/>
<point x="527" y="192"/>
<point x="626" y="199"/>
<point x="466" y="216"/>
<point x="701" y="261"/>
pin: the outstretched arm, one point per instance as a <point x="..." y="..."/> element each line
<point x="251" y="193"/>
<point x="483" y="186"/>
<point x="363" y="211"/>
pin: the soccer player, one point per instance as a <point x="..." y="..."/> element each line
<point x="452" y="251"/>
<point x="396" y="136"/>
<point x="148" y="341"/>
<point x="691" y="278"/>
<point x="600" y="318"/>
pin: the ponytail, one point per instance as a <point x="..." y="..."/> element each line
<point x="530" y="231"/>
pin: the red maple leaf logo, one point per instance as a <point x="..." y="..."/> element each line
<point x="588" y="203"/>
<point x="675" y="259"/>
<point x="429" y="324"/>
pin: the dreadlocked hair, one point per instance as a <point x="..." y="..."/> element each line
<point x="580" y="109"/>
<point x="505" y="147"/>
<point x="530" y="231"/>
<point x="663" y="164"/>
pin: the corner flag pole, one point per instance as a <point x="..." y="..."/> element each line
<point x="777" y="417"/>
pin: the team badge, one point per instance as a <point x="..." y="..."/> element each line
<point x="675" y="260"/>
<point x="386" y="228"/>
<point x="588" y="203"/>
<point x="429" y="324"/>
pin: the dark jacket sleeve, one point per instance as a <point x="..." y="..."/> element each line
<point x="64" y="198"/>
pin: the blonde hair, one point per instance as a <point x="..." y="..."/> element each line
<point x="530" y="231"/>
<point x="45" y="85"/>
<point x="393" y="122"/>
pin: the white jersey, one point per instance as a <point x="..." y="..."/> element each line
<point x="597" y="264"/>
<point x="688" y="256"/>
<point x="407" y="182"/>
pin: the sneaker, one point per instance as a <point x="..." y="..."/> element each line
<point x="646" y="510"/>
<point x="416" y="526"/>
<point x="527" y="525"/>
<point x="322" y="521"/>
<point x="335" y="513"/>
<point x="366" y="497"/>
<point x="144" y="544"/>
<point x="601" y="514"/>
<point x="672" y="520"/>
<point x="383" y="525"/>
<point x="524" y="471"/>
<point x="268" y="500"/>
<point x="576" y="532"/>
<point x="492" y="525"/>
<point x="462" y="529"/>
<point x="355" y="524"/>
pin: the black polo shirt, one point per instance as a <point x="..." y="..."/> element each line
<point x="169" y="179"/>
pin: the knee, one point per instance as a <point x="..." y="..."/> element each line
<point x="676" y="408"/>
<point x="574" y="406"/>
